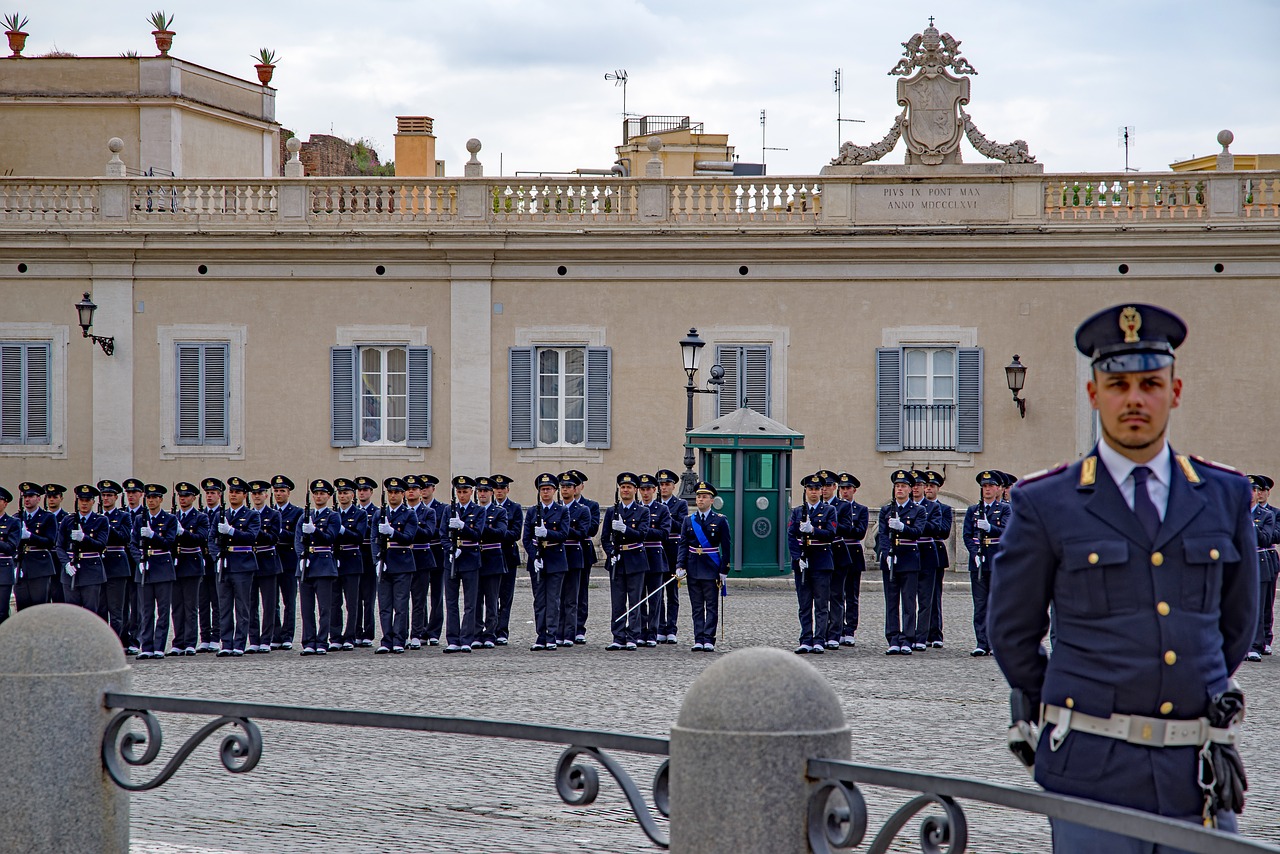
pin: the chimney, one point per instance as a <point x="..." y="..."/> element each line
<point x="415" y="147"/>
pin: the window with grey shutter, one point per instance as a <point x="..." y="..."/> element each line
<point x="599" y="396"/>
<point x="888" y="399"/>
<point x="25" y="393"/>
<point x="201" y="416"/>
<point x="747" y="381"/>
<point x="343" y="385"/>
<point x="419" y="432"/>
<point x="969" y="399"/>
<point x="521" y="419"/>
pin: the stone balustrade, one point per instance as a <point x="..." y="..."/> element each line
<point x="501" y="203"/>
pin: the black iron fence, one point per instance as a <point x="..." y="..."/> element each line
<point x="837" y="816"/>
<point x="929" y="427"/>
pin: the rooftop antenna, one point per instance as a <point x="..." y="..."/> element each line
<point x="619" y="78"/>
<point x="1125" y="138"/>
<point x="763" y="147"/>
<point x="838" y="78"/>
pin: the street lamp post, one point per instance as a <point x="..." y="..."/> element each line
<point x="691" y="352"/>
<point x="85" y="308"/>
<point x="1015" y="374"/>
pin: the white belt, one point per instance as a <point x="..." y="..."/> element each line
<point x="1135" y="729"/>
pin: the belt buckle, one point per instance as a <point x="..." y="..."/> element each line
<point x="1148" y="731"/>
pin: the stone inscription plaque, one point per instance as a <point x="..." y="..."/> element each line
<point x="931" y="202"/>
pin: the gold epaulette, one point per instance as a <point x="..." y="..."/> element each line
<point x="1088" y="471"/>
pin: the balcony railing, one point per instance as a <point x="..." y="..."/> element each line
<point x="803" y="203"/>
<point x="929" y="427"/>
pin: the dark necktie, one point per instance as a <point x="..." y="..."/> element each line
<point x="1143" y="508"/>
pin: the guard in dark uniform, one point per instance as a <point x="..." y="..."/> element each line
<point x="82" y="544"/>
<point x="37" y="559"/>
<point x="53" y="495"/>
<point x="1264" y="527"/>
<point x="10" y="543"/>
<point x="546" y="527"/>
<point x="192" y="541"/>
<point x="1149" y="561"/>
<point x="464" y="523"/>
<point x="285" y="619"/>
<point x="655" y="549"/>
<point x="367" y="599"/>
<point x="232" y="545"/>
<point x="421" y="590"/>
<point x="589" y="557"/>
<point x="943" y="523"/>
<point x="575" y="547"/>
<point x="1268" y="609"/>
<point x="343" y="611"/>
<point x="439" y="553"/>
<point x="626" y="526"/>
<point x="847" y="486"/>
<point x="155" y="535"/>
<point x="266" y="582"/>
<point x="810" y="534"/>
<point x="678" y="508"/>
<point x="115" y="558"/>
<point x="393" y="556"/>
<point x="933" y="554"/>
<point x="510" y="553"/>
<point x="207" y="599"/>
<point x="133" y="492"/>
<point x="901" y="524"/>
<point x="493" y="565"/>
<point x="315" y="542"/>
<point x="841" y="557"/>
<point x="984" y="523"/>
<point x="702" y="561"/>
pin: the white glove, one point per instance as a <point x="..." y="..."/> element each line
<point x="147" y="533"/>
<point x="457" y="553"/>
<point x="724" y="579"/>
<point x="984" y="525"/>
<point x="26" y="535"/>
<point x="806" y="527"/>
<point x="540" y="531"/>
<point x="385" y="528"/>
<point x="455" y="523"/>
<point x="308" y="528"/>
<point x="342" y="530"/>
<point x="71" y="570"/>
<point x="77" y="535"/>
<point x="224" y="528"/>
<point x="181" y="530"/>
<point x="680" y="572"/>
<point x="619" y="526"/>
<point x="803" y="564"/>
<point x="537" y="565"/>
<point x="896" y="524"/>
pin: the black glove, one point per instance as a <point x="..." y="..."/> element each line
<point x="1023" y="715"/>
<point x="1228" y="782"/>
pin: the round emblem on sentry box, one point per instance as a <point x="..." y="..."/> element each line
<point x="761" y="527"/>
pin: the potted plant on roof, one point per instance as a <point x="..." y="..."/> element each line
<point x="13" y="24"/>
<point x="164" y="35"/>
<point x="266" y="64"/>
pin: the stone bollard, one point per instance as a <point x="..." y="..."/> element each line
<point x="56" y="661"/>
<point x="738" y="751"/>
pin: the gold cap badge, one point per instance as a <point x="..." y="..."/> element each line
<point x="1130" y="323"/>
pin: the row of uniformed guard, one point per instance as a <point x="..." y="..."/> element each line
<point x="227" y="574"/>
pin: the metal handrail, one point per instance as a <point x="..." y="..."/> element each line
<point x="239" y="752"/>
<point x="826" y="819"/>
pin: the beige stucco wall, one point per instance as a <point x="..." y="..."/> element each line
<point x="82" y="133"/>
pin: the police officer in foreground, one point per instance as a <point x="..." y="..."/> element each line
<point x="1149" y="560"/>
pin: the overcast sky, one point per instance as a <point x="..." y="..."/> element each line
<point x="527" y="76"/>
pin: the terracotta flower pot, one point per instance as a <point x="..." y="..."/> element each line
<point x="164" y="41"/>
<point x="17" y="41"/>
<point x="264" y="73"/>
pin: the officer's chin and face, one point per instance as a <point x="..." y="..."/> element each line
<point x="931" y="491"/>
<point x="500" y="493"/>
<point x="464" y="495"/>
<point x="812" y="495"/>
<point x="847" y="492"/>
<point x="259" y="498"/>
<point x="395" y="497"/>
<point x="212" y="498"/>
<point x="1258" y="497"/>
<point x="281" y="494"/>
<point x="989" y="492"/>
<point x="648" y="493"/>
<point x="484" y="497"/>
<point x="154" y="502"/>
<point x="185" y="501"/>
<point x="627" y="492"/>
<point x="364" y="494"/>
<point x="566" y="493"/>
<point x="703" y="501"/>
<point x="412" y="494"/>
<point x="1133" y="408"/>
<point x="547" y="494"/>
<point x="901" y="492"/>
<point x="109" y="501"/>
<point x="30" y="503"/>
<point x="85" y="505"/>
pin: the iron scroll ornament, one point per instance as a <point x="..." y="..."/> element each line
<point x="239" y="751"/>
<point x="578" y="786"/>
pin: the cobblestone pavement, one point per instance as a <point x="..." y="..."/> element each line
<point x="335" y="789"/>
